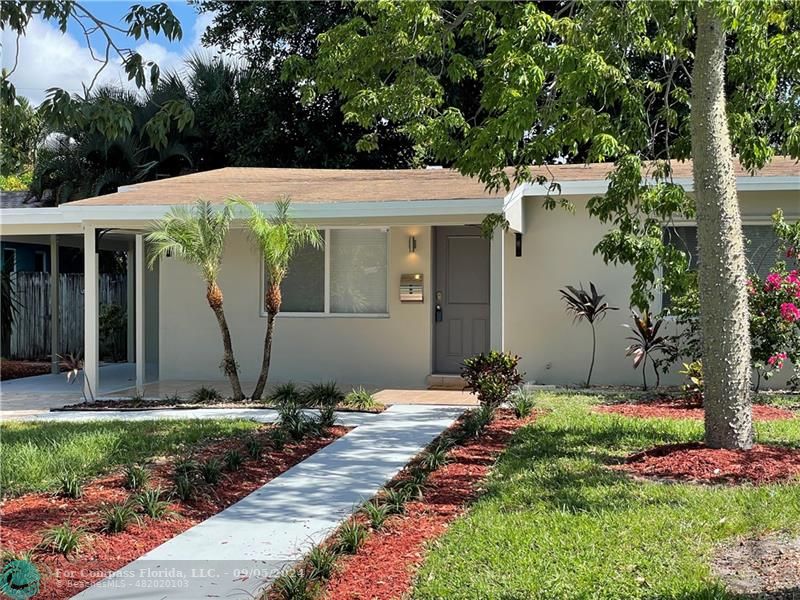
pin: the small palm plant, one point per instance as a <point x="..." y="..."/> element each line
<point x="197" y="236"/>
<point x="278" y="238"/>
<point x="586" y="306"/>
<point x="73" y="365"/>
<point x="646" y="342"/>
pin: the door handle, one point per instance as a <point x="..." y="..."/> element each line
<point x="438" y="313"/>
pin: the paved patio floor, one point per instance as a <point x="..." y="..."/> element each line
<point x="31" y="395"/>
<point x="237" y="552"/>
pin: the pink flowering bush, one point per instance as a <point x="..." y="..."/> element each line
<point x="775" y="321"/>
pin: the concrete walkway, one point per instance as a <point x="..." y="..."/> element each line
<point x="237" y="552"/>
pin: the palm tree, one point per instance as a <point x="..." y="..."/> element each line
<point x="278" y="238"/>
<point x="197" y="236"/>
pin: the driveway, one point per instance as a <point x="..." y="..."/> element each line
<point x="32" y="395"/>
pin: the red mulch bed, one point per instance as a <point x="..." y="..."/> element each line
<point x="695" y="462"/>
<point x="685" y="408"/>
<point x="15" y="369"/>
<point x="385" y="565"/>
<point x="26" y="517"/>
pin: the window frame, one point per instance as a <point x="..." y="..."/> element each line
<point x="326" y="313"/>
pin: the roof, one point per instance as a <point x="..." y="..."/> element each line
<point x="350" y="185"/>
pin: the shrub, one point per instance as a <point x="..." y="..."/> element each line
<point x="323" y="394"/>
<point x="254" y="448"/>
<point x="321" y="563"/>
<point x="327" y="417"/>
<point x="233" y="460"/>
<point x="351" y="536"/>
<point x="376" y="513"/>
<point x="694" y="373"/>
<point x="647" y="343"/>
<point x="118" y="516"/>
<point x="293" y="421"/>
<point x="277" y="438"/>
<point x="586" y="306"/>
<point x="295" y="585"/>
<point x="286" y="393"/>
<point x="206" y="395"/>
<point x="360" y="399"/>
<point x="185" y="467"/>
<point x="185" y="487"/>
<point x="476" y="421"/>
<point x="211" y="471"/>
<point x="522" y="401"/>
<point x="435" y="457"/>
<point x="173" y="398"/>
<point x="136" y="477"/>
<point x="64" y="539"/>
<point x="492" y="376"/>
<point x="152" y="504"/>
<point x="414" y="488"/>
<point x="394" y="499"/>
<point x="70" y="486"/>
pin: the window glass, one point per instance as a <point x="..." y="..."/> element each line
<point x="761" y="248"/>
<point x="358" y="271"/>
<point x="303" y="288"/>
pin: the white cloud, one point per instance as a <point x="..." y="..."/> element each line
<point x="49" y="58"/>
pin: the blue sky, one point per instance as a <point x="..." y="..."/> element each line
<point x="48" y="58"/>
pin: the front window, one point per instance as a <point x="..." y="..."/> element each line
<point x="762" y="248"/>
<point x="348" y="276"/>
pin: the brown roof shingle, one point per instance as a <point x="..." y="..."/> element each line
<point x="351" y="185"/>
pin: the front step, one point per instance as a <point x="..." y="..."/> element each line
<point x="445" y="381"/>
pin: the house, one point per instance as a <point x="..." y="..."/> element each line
<point x="405" y="287"/>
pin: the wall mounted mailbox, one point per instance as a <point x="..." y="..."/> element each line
<point x="411" y="287"/>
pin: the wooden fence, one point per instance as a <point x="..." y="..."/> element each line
<point x="30" y="336"/>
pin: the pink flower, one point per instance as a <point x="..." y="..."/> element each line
<point x="773" y="281"/>
<point x="776" y="360"/>
<point x="790" y="312"/>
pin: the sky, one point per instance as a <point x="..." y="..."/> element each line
<point x="48" y="58"/>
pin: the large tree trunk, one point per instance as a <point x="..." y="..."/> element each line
<point x="272" y="299"/>
<point x="724" y="316"/>
<point x="214" y="297"/>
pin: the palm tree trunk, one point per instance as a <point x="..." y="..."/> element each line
<point x="272" y="300"/>
<point x="214" y="297"/>
<point x="724" y="316"/>
<point x="594" y="349"/>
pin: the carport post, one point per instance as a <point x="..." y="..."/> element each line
<point x="496" y="290"/>
<point x="130" y="282"/>
<point x="54" y="304"/>
<point x="139" y="302"/>
<point x="91" y="350"/>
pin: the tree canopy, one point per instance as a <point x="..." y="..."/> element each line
<point x="571" y="81"/>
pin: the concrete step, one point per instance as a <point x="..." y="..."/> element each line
<point x="445" y="381"/>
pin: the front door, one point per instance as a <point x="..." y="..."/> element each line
<point x="461" y="297"/>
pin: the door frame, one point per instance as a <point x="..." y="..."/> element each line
<point x="496" y="281"/>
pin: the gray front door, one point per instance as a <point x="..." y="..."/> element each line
<point x="461" y="293"/>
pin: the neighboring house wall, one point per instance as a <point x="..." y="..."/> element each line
<point x="387" y="351"/>
<point x="558" y="251"/>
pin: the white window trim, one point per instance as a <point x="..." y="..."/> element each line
<point x="327" y="314"/>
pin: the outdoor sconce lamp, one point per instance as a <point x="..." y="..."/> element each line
<point x="412" y="244"/>
<point x="518" y="244"/>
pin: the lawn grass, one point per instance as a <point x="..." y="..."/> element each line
<point x="556" y="523"/>
<point x="35" y="454"/>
